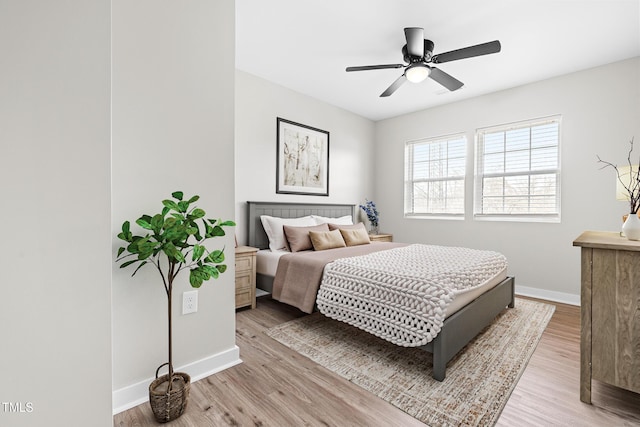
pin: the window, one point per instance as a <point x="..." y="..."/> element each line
<point x="434" y="176"/>
<point x="518" y="171"/>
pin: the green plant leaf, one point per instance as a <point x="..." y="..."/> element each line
<point x="192" y="230"/>
<point x="227" y="224"/>
<point x="195" y="278"/>
<point x="210" y="271"/>
<point x="126" y="237"/>
<point x="194" y="199"/>
<point x="124" y="257"/>
<point x="183" y="206"/>
<point x="128" y="263"/>
<point x="171" y="205"/>
<point x="133" y="248"/>
<point x="171" y="234"/>
<point x="169" y="222"/>
<point x="144" y="224"/>
<point x="120" y="250"/>
<point x="217" y="231"/>
<point x="157" y="222"/>
<point x="208" y="231"/>
<point x="165" y="211"/>
<point x="215" y="257"/>
<point x="178" y="195"/>
<point x="179" y="256"/>
<point x="198" y="251"/>
<point x="145" y="248"/>
<point x="169" y="250"/>
<point x="221" y="268"/>
<point x="198" y="213"/>
<point x="138" y="268"/>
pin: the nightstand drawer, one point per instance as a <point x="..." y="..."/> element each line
<point x="244" y="263"/>
<point x="243" y="281"/>
<point x="245" y="276"/>
<point x="381" y="237"/>
<point x="244" y="298"/>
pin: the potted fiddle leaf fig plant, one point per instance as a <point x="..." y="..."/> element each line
<point x="173" y="241"/>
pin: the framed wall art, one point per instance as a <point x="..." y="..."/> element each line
<point x="302" y="159"/>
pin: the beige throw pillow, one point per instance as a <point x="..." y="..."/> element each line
<point x="355" y="236"/>
<point x="298" y="237"/>
<point x="322" y="240"/>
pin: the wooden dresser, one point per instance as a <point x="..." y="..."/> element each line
<point x="610" y="311"/>
<point x="246" y="276"/>
<point x="381" y="237"/>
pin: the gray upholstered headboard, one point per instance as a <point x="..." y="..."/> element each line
<point x="257" y="236"/>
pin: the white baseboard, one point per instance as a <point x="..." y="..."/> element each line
<point x="561" y="297"/>
<point x="136" y="394"/>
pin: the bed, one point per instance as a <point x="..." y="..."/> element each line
<point x="467" y="315"/>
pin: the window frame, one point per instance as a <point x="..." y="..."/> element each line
<point x="479" y="176"/>
<point x="409" y="167"/>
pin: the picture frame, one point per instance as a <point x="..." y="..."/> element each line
<point x="302" y="159"/>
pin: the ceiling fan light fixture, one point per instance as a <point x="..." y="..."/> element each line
<point x="416" y="73"/>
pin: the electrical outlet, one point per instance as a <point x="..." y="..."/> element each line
<point x="189" y="302"/>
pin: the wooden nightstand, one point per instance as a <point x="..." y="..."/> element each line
<point x="381" y="237"/>
<point x="246" y="276"/>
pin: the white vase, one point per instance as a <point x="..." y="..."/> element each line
<point x="631" y="227"/>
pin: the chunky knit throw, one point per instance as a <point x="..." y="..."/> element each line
<point x="402" y="294"/>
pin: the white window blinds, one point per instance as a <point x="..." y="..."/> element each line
<point x="518" y="171"/>
<point x="434" y="176"/>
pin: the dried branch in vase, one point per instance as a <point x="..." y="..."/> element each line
<point x="632" y="186"/>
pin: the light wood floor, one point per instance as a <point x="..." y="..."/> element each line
<point x="276" y="386"/>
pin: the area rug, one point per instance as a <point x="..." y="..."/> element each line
<point x="479" y="379"/>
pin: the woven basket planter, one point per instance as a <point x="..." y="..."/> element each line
<point x="169" y="400"/>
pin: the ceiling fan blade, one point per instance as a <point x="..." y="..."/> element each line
<point x="467" y="52"/>
<point x="445" y="79"/>
<point x="394" y="86"/>
<point x="374" y="67"/>
<point x="415" y="41"/>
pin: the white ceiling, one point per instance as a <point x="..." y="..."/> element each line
<point x="305" y="45"/>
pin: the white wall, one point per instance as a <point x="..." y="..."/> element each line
<point x="173" y="115"/>
<point x="351" y="138"/>
<point x="55" y="274"/>
<point x="600" y="110"/>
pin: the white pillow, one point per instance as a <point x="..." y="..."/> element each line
<point x="274" y="227"/>
<point x="343" y="220"/>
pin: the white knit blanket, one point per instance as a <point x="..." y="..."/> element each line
<point x="402" y="294"/>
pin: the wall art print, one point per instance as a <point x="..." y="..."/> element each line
<point x="302" y="159"/>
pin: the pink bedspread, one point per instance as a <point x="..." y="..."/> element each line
<point x="299" y="274"/>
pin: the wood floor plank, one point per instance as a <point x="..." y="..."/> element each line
<point x="276" y="386"/>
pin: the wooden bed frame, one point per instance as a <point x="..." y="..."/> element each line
<point x="457" y="330"/>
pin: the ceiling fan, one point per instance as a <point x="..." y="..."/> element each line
<point x="418" y="53"/>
